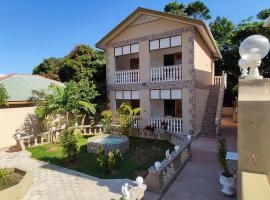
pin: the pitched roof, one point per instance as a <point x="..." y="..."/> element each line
<point x="20" y="86"/>
<point x="201" y="26"/>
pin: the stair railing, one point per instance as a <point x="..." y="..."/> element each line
<point x="222" y="87"/>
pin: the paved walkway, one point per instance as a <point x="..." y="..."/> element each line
<point x="52" y="182"/>
<point x="200" y="178"/>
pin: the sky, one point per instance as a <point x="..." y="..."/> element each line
<point x="32" y="30"/>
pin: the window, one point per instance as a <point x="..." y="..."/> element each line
<point x="165" y="42"/>
<point x="165" y="94"/>
<point x="168" y="59"/>
<point x="128" y="49"/>
<point x="135" y="94"/>
<point x="118" y="51"/>
<point x="127" y="94"/>
<point x="176" y="94"/>
<point x="134" y="48"/>
<point x="154" y="44"/>
<point x="154" y="94"/>
<point x="176" y="41"/>
<point x="118" y="95"/>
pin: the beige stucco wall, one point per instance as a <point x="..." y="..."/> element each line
<point x="201" y="100"/>
<point x="157" y="108"/>
<point x="123" y="62"/>
<point x="253" y="127"/>
<point x="10" y="120"/>
<point x="203" y="62"/>
<point x="157" y="56"/>
<point x="149" y="28"/>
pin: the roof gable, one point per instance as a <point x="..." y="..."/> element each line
<point x="142" y="15"/>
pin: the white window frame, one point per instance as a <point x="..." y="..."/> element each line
<point x="134" y="48"/>
<point x="118" y="51"/>
<point x="164" y="43"/>
<point x="176" y="41"/>
<point x="176" y="94"/>
<point x="126" y="49"/>
<point x="154" y="44"/>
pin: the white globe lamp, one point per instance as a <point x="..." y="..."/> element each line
<point x="243" y="64"/>
<point x="253" y="49"/>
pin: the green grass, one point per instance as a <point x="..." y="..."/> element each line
<point x="9" y="177"/>
<point x="140" y="156"/>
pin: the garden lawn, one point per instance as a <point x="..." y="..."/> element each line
<point x="141" y="155"/>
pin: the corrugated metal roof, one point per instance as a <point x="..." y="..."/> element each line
<point x="20" y="86"/>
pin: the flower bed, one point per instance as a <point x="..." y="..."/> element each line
<point x="14" y="183"/>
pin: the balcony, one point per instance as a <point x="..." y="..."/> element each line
<point x="173" y="124"/>
<point x="166" y="73"/>
<point x="127" y="76"/>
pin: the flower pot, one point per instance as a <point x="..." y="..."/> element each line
<point x="227" y="184"/>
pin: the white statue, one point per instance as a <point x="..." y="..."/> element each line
<point x="139" y="180"/>
<point x="176" y="148"/>
<point x="167" y="154"/>
<point x="157" y="165"/>
<point x="125" y="192"/>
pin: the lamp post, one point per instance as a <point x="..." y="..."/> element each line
<point x="252" y="50"/>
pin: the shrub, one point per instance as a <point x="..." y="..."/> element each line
<point x="222" y="151"/>
<point x="106" y="120"/>
<point x="68" y="142"/>
<point x="108" y="161"/>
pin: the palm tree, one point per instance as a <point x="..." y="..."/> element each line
<point x="127" y="116"/>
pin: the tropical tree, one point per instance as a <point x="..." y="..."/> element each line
<point x="195" y="9"/>
<point x="264" y="14"/>
<point x="127" y="115"/>
<point x="73" y="100"/>
<point x="198" y="10"/>
<point x="3" y="95"/>
<point x="106" y="120"/>
<point x="82" y="63"/>
<point x="175" y="8"/>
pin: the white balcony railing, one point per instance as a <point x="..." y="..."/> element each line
<point x="168" y="73"/>
<point x="217" y="80"/>
<point x="173" y="124"/>
<point x="127" y="76"/>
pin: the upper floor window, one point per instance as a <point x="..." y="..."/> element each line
<point x="165" y="42"/>
<point x="128" y="49"/>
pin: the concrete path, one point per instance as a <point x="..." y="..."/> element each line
<point x="52" y="182"/>
<point x="200" y="178"/>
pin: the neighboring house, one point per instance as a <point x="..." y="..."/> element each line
<point x="19" y="88"/>
<point x="164" y="64"/>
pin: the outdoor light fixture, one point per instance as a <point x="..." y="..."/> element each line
<point x="243" y="64"/>
<point x="252" y="50"/>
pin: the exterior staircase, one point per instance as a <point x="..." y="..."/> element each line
<point x="212" y="116"/>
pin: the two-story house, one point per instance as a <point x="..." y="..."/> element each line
<point x="164" y="64"/>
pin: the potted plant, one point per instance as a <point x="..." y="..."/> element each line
<point x="226" y="178"/>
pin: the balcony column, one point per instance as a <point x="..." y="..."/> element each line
<point x="145" y="103"/>
<point x="110" y="78"/>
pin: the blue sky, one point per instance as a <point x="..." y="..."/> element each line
<point x="31" y="30"/>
